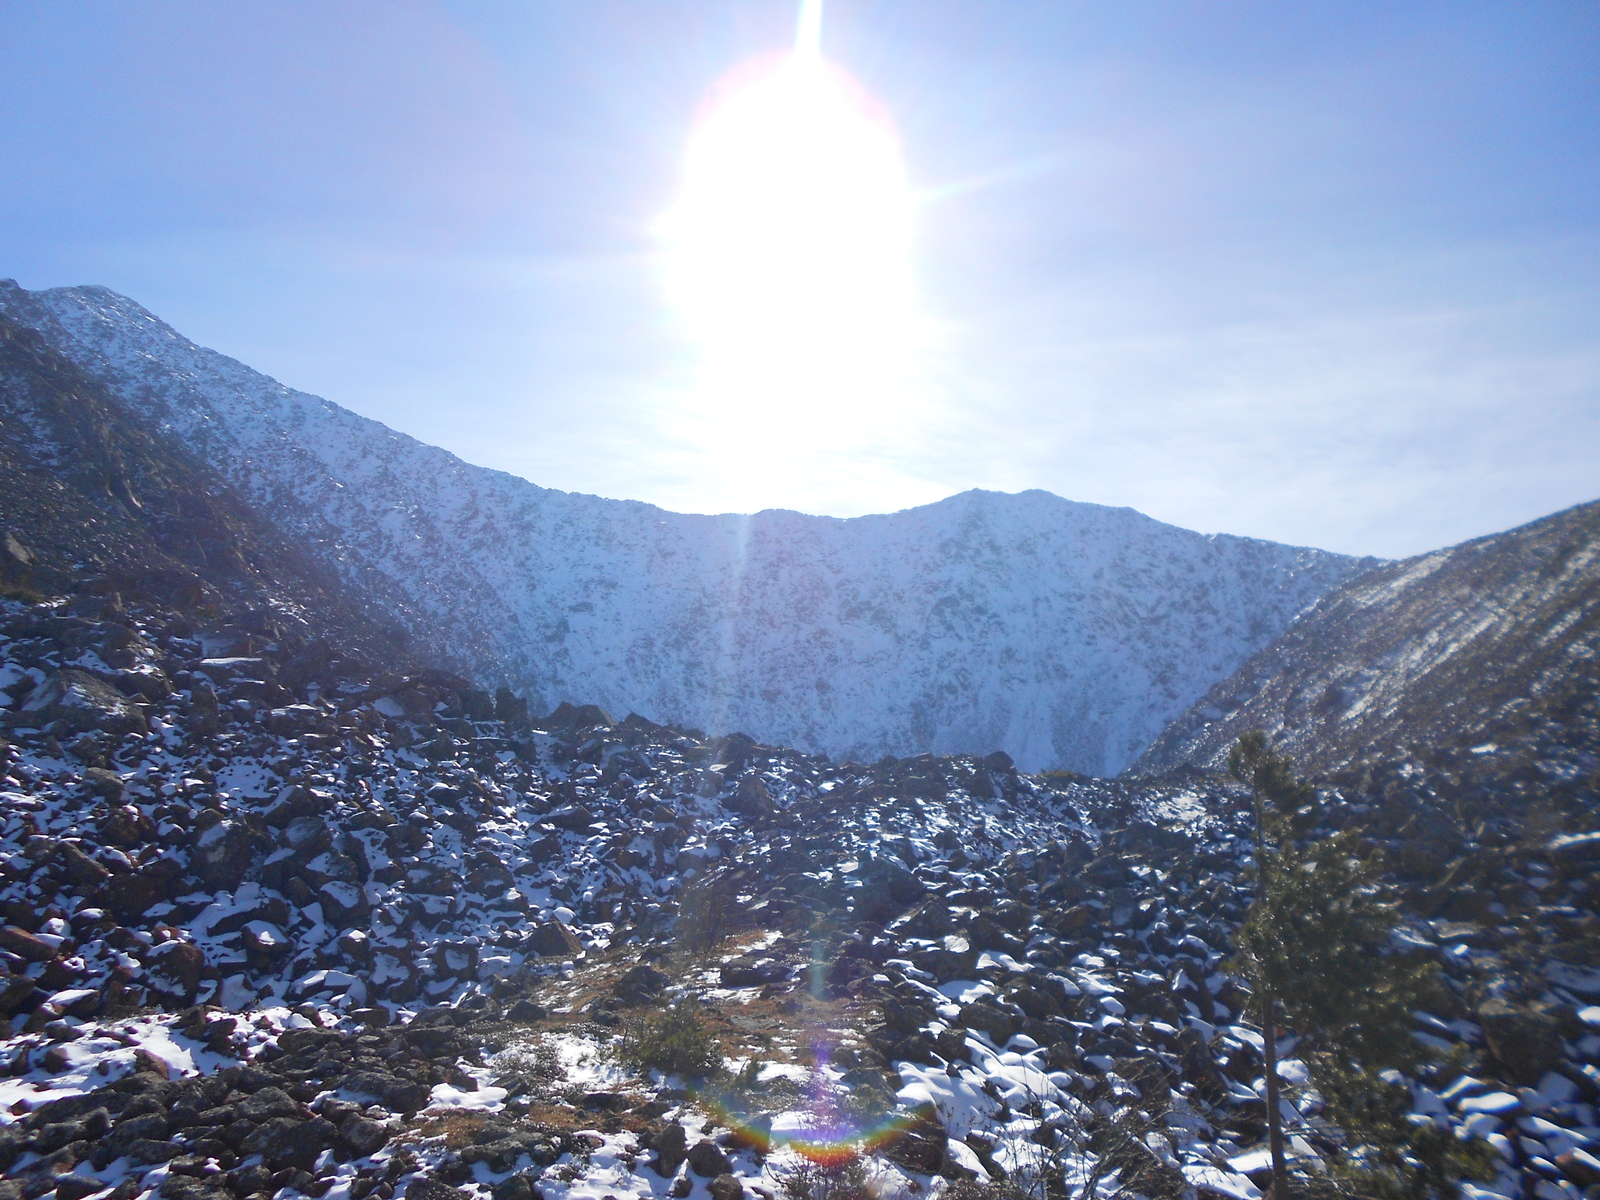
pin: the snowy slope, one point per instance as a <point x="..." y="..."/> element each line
<point x="1066" y="634"/>
<point x="1489" y="650"/>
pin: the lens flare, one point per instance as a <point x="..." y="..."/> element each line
<point x="824" y="1133"/>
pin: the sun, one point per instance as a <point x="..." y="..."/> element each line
<point x="788" y="250"/>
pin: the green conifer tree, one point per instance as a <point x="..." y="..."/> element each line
<point x="1316" y="950"/>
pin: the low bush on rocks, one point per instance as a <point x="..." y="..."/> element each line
<point x="844" y="1180"/>
<point x="676" y="1041"/>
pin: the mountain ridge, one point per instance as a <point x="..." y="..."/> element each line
<point x="1065" y="634"/>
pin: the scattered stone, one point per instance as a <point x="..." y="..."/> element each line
<point x="707" y="1160"/>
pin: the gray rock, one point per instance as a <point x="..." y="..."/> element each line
<point x="76" y="1187"/>
<point x="187" y="1187"/>
<point x="149" y="1151"/>
<point x="1526" y="1042"/>
<point x="365" y="1136"/>
<point x="707" y="1160"/>
<point x="671" y="1147"/>
<point x="394" y="1093"/>
<point x="1000" y="1025"/>
<point x="517" y="1187"/>
<point x="222" y="854"/>
<point x="526" y="1011"/>
<point x="285" y="1142"/>
<point x="554" y="940"/>
<point x="81" y="702"/>
<point x="640" y="983"/>
<point x="149" y="1125"/>
<point x="423" y="1187"/>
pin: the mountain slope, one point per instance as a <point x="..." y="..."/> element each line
<point x="1066" y="634"/>
<point x="1468" y="650"/>
<point x="96" y="500"/>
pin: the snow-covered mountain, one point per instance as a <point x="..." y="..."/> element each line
<point x="1066" y="634"/>
<point x="1487" y="653"/>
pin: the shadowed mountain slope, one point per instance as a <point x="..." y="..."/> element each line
<point x="96" y="499"/>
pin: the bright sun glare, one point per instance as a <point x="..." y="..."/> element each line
<point x="788" y="252"/>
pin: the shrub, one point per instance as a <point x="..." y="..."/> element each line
<point x="676" y="1041"/>
<point x="708" y="914"/>
<point x="844" y="1180"/>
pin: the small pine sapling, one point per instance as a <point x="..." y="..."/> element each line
<point x="1315" y="947"/>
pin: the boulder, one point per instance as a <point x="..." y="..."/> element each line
<point x="343" y="904"/>
<point x="723" y="1187"/>
<point x="1524" y="1041"/>
<point x="553" y="940"/>
<point x="24" y="944"/>
<point x="930" y="919"/>
<point x="424" y="1187"/>
<point x="268" y="1103"/>
<point x="285" y="1142"/>
<point x="672" y="1147"/>
<point x="391" y="1091"/>
<point x="188" y="1187"/>
<point x="999" y="1024"/>
<point x="76" y="1187"/>
<point x="891" y="878"/>
<point x="127" y="896"/>
<point x="176" y="967"/>
<point x="573" y="817"/>
<point x="527" y="1011"/>
<point x="103" y="783"/>
<point x="707" y="1160"/>
<point x="81" y="702"/>
<point x="640" y="983"/>
<point x="364" y="1135"/>
<point x="751" y="799"/>
<point x="521" y="1186"/>
<point x="127" y="827"/>
<point x="307" y="836"/>
<point x="222" y="854"/>
<point x="80" y="869"/>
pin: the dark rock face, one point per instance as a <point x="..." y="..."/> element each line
<point x="424" y="1188"/>
<point x="290" y="1142"/>
<point x="641" y="983"/>
<point x="989" y="1019"/>
<point x="223" y="853"/>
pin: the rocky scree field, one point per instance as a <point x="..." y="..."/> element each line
<point x="276" y="925"/>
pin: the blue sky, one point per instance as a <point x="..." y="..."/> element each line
<point x="1326" y="274"/>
